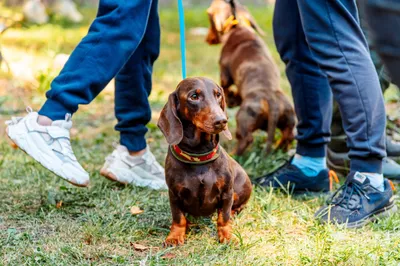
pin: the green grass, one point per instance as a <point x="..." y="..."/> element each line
<point x="94" y="225"/>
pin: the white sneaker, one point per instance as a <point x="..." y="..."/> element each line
<point x="49" y="145"/>
<point x="143" y="171"/>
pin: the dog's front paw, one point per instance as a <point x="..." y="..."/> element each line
<point x="176" y="237"/>
<point x="225" y="233"/>
<point x="172" y="241"/>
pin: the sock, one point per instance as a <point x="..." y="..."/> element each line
<point x="376" y="180"/>
<point x="308" y="165"/>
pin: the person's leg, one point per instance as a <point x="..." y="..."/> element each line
<point x="334" y="35"/>
<point x="133" y="86"/>
<point x="383" y="75"/>
<point x="131" y="162"/>
<point x="387" y="44"/>
<point x="337" y="155"/>
<point x="338" y="134"/>
<point x="112" y="38"/>
<point x="310" y="88"/>
<point x="312" y="100"/>
<point x="384" y="18"/>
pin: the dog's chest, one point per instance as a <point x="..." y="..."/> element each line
<point x="201" y="193"/>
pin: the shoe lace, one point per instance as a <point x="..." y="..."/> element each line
<point x="15" y="120"/>
<point x="348" y="196"/>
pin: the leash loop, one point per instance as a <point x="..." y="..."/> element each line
<point x="182" y="37"/>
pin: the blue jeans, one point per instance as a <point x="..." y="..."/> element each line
<point x="324" y="49"/>
<point x="122" y="42"/>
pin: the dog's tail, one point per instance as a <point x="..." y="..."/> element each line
<point x="272" y="122"/>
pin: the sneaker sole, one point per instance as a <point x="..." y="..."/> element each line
<point x="298" y="192"/>
<point x="137" y="181"/>
<point x="373" y="217"/>
<point x="15" y="145"/>
<point x="110" y="176"/>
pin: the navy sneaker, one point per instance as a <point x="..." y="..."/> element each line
<point x="288" y="176"/>
<point x="356" y="203"/>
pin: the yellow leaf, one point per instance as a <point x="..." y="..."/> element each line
<point x="168" y="256"/>
<point x="59" y="204"/>
<point x="136" y="210"/>
<point x="139" y="247"/>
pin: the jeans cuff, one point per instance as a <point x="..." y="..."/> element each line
<point x="311" y="150"/>
<point x="133" y="142"/>
<point x="366" y="165"/>
<point x="54" y="110"/>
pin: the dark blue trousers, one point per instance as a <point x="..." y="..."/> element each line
<point x="384" y="19"/>
<point x="325" y="51"/>
<point x="122" y="42"/>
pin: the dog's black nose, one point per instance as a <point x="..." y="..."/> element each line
<point x="220" y="123"/>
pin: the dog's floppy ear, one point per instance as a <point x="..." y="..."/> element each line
<point x="253" y="23"/>
<point x="226" y="131"/>
<point x="223" y="102"/>
<point x="212" y="35"/>
<point x="169" y="122"/>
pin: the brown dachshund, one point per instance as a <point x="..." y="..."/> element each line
<point x="247" y="63"/>
<point x="200" y="175"/>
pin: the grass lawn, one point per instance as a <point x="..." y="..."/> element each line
<point x="45" y="221"/>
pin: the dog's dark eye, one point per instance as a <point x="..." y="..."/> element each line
<point x="218" y="95"/>
<point x="194" y="97"/>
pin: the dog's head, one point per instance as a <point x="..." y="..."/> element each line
<point x="220" y="16"/>
<point x="199" y="101"/>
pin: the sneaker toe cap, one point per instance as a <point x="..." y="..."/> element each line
<point x="75" y="175"/>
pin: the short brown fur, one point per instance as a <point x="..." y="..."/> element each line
<point x="199" y="190"/>
<point x="247" y="63"/>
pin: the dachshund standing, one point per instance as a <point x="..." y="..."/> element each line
<point x="202" y="178"/>
<point x="247" y="63"/>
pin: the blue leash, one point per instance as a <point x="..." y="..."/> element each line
<point x="182" y="37"/>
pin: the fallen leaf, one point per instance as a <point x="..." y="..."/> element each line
<point x="136" y="210"/>
<point x="14" y="146"/>
<point x="168" y="256"/>
<point x="59" y="204"/>
<point x="88" y="240"/>
<point x="139" y="247"/>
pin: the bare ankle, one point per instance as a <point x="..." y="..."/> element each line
<point x="137" y="153"/>
<point x="44" y="120"/>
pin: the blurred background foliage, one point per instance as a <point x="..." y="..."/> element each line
<point x="162" y="2"/>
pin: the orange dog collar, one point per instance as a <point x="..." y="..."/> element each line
<point x="192" y="158"/>
<point x="231" y="21"/>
